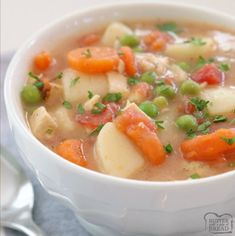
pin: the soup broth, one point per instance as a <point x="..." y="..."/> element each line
<point x="149" y="101"/>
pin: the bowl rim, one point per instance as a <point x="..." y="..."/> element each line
<point x="101" y="177"/>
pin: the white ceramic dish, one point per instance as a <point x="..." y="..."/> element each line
<point x="108" y="205"/>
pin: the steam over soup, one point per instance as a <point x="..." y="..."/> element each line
<point x="149" y="101"/>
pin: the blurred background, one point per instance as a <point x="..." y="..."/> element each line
<point x="20" y="19"/>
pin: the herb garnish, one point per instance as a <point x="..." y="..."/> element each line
<point x="80" y="109"/>
<point x="112" y="97"/>
<point x="60" y="75"/>
<point x="133" y="80"/>
<point x="224" y="67"/>
<point x="159" y="124"/>
<point x="195" y="176"/>
<point x="96" y="130"/>
<point x="220" y="118"/>
<point x="168" y="148"/>
<point x="200" y="104"/>
<point x="196" y="41"/>
<point x="204" y="127"/>
<point x="98" y="108"/>
<point x="87" y="53"/>
<point x="32" y="75"/>
<point x="74" y="81"/>
<point x="169" y="27"/>
<point x="202" y="61"/>
<point x="229" y="141"/>
<point x="67" y="105"/>
<point x="39" y="84"/>
<point x="231" y="164"/>
<point x="90" y="94"/>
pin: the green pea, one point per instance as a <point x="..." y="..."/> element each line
<point x="187" y="123"/>
<point x="184" y="66"/>
<point x="161" y="102"/>
<point x="149" y="108"/>
<point x="130" y="40"/>
<point x="165" y="91"/>
<point x="30" y="94"/>
<point x="148" y="77"/>
<point x="190" y="87"/>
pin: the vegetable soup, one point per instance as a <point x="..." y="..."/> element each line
<point x="150" y="101"/>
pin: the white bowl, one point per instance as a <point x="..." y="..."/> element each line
<point x="108" y="205"/>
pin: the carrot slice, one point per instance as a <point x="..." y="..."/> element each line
<point x="72" y="150"/>
<point x="209" y="147"/>
<point x="42" y="60"/>
<point x="142" y="132"/>
<point x="93" y="60"/>
<point x="128" y="58"/>
<point x="156" y="40"/>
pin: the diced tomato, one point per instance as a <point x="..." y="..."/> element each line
<point x="208" y="73"/>
<point x="142" y="131"/>
<point x="133" y="116"/>
<point x="142" y="89"/>
<point x="93" y="120"/>
<point x="156" y="40"/>
<point x="189" y="108"/>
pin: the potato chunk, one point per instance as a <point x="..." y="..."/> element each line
<point x="113" y="32"/>
<point x="222" y="100"/>
<point x="186" y="51"/>
<point x="117" y="83"/>
<point x="77" y="92"/>
<point x="88" y="105"/>
<point x="116" y="154"/>
<point x="42" y="124"/>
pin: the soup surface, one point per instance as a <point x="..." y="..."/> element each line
<point x="151" y="101"/>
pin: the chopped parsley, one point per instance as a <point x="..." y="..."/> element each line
<point x="67" y="105"/>
<point x="96" y="130"/>
<point x="224" y="67"/>
<point x="195" y="176"/>
<point x="220" y="118"/>
<point x="87" y="53"/>
<point x="232" y="121"/>
<point x="32" y="75"/>
<point x="229" y="141"/>
<point x="202" y="61"/>
<point x="196" y="41"/>
<point x="159" y="124"/>
<point x="60" y="75"/>
<point x="191" y="134"/>
<point x="90" y="94"/>
<point x="98" y="108"/>
<point x="120" y="53"/>
<point x="112" y="97"/>
<point x="200" y="104"/>
<point x="80" y="109"/>
<point x="168" y="148"/>
<point x="39" y="84"/>
<point x="49" y="131"/>
<point x="204" y="127"/>
<point x="231" y="164"/>
<point x="132" y="81"/>
<point x="74" y="81"/>
<point x="159" y="82"/>
<point x="169" y="27"/>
